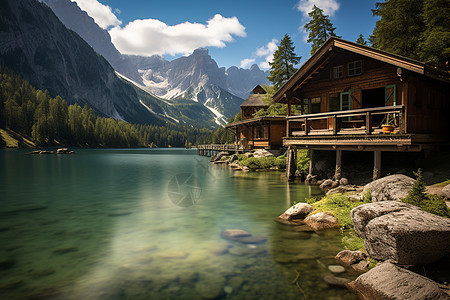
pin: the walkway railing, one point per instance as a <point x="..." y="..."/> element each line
<point x="213" y="149"/>
<point x="357" y="121"/>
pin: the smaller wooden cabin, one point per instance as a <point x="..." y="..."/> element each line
<point x="261" y="132"/>
<point x="253" y="103"/>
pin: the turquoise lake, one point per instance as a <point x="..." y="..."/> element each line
<point x="147" y="224"/>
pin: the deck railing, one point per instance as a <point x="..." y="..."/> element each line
<point x="357" y="121"/>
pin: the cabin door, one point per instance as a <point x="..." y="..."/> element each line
<point x="346" y="102"/>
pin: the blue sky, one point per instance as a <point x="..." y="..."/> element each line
<point x="235" y="32"/>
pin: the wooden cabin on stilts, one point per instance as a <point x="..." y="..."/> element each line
<point x="357" y="98"/>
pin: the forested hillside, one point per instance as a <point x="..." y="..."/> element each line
<point x="51" y="121"/>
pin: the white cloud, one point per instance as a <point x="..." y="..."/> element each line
<point x="149" y="37"/>
<point x="102" y="14"/>
<point x="267" y="52"/>
<point x="329" y="6"/>
<point x="245" y="63"/>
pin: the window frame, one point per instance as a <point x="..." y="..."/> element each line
<point x="354" y="62"/>
<point x="333" y="73"/>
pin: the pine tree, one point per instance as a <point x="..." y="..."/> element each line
<point x="320" y="28"/>
<point x="360" y="40"/>
<point x="282" y="66"/>
<point x="435" y="40"/>
<point x="400" y="27"/>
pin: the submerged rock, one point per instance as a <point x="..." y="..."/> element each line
<point x="236" y="282"/>
<point x="234" y="234"/>
<point x="336" y="281"/>
<point x="210" y="287"/>
<point x="336" y="269"/>
<point x="402" y="232"/>
<point x="388" y="281"/>
<point x="389" y="188"/>
<point x="251" y="239"/>
<point x="322" y="221"/>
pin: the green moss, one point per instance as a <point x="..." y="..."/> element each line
<point x="340" y="206"/>
<point x="351" y="241"/>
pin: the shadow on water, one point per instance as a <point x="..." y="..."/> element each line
<point x="101" y="224"/>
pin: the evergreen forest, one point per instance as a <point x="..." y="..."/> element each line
<point x="34" y="116"/>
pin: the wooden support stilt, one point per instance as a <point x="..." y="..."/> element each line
<point x="311" y="162"/>
<point x="377" y="165"/>
<point x="291" y="164"/>
<point x="338" y="170"/>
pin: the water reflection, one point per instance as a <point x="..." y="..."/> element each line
<point x="108" y="230"/>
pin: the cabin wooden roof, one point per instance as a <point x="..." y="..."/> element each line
<point x="259" y="90"/>
<point x="333" y="44"/>
<point x="254" y="100"/>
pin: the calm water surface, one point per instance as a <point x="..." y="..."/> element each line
<point x="102" y="224"/>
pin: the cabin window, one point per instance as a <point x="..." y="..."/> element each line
<point x="355" y="68"/>
<point x="334" y="102"/>
<point x="338" y="72"/>
<point x="260" y="132"/>
<point x="306" y="109"/>
<point x="315" y="105"/>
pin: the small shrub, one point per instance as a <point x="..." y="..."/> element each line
<point x="417" y="196"/>
<point x="280" y="162"/>
<point x="303" y="161"/>
<point x="242" y="157"/>
<point x="252" y="163"/>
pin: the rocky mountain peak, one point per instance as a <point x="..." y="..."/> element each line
<point x="201" y="51"/>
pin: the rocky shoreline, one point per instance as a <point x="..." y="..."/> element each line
<point x="398" y="237"/>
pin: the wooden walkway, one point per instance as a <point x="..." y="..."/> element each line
<point x="214" y="149"/>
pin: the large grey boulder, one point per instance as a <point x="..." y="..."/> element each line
<point x="394" y="187"/>
<point x="401" y="232"/>
<point x="297" y="211"/>
<point x="262" y="153"/>
<point x="388" y="281"/>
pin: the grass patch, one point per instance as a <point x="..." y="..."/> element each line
<point x="442" y="184"/>
<point x="339" y="205"/>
